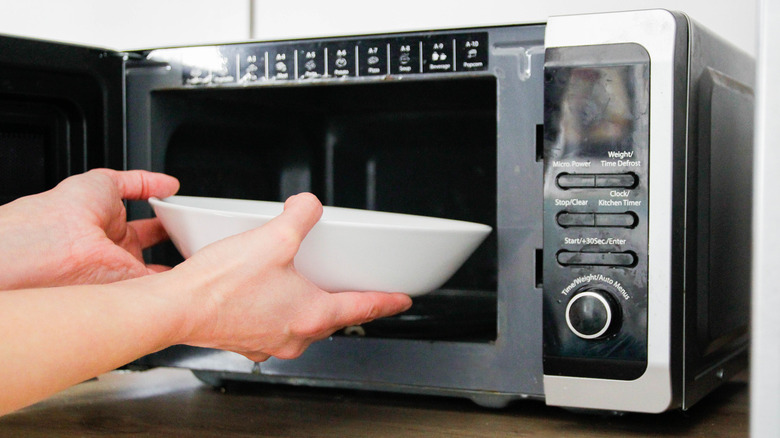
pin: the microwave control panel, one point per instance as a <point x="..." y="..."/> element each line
<point x="596" y="211"/>
<point x="302" y="60"/>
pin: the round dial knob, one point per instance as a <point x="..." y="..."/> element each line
<point x="591" y="313"/>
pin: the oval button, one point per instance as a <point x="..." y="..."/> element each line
<point x="567" y="258"/>
<point x="622" y="220"/>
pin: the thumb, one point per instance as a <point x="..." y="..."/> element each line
<point x="301" y="213"/>
<point x="354" y="308"/>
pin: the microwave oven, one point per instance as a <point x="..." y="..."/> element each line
<point x="610" y="153"/>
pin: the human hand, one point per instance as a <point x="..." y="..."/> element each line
<point x="77" y="233"/>
<point x="244" y="294"/>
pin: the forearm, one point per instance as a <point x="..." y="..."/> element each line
<point x="241" y="294"/>
<point x="53" y="338"/>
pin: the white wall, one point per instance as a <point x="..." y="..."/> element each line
<point x="734" y="20"/>
<point x="128" y="24"/>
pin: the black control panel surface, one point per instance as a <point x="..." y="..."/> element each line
<point x="335" y="58"/>
<point x="596" y="211"/>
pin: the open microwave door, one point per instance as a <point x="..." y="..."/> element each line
<point x="61" y="113"/>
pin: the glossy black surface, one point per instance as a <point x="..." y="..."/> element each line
<point x="595" y="208"/>
<point x="60" y="113"/>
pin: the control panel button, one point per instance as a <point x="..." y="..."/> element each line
<point x="281" y="64"/>
<point x="621" y="180"/>
<point x="251" y="67"/>
<point x="373" y="57"/>
<point x="591" y="314"/>
<point x="623" y="220"/>
<point x="569" y="258"/>
<point x="573" y="181"/>
<point x="341" y="60"/>
<point x="472" y="52"/>
<point x="405" y="56"/>
<point x="439" y="55"/>
<point x="567" y="219"/>
<point x="311" y="62"/>
<point x="597" y="180"/>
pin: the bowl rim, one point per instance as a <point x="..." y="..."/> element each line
<point x="455" y="225"/>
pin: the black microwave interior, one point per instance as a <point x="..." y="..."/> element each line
<point x="60" y="113"/>
<point x="424" y="147"/>
<point x="33" y="139"/>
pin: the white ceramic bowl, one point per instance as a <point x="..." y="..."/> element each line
<point x="347" y="249"/>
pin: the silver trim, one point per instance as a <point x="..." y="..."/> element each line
<point x="655" y="30"/>
<point x="357" y="62"/>
<point x="421" y="57"/>
<point x="295" y="63"/>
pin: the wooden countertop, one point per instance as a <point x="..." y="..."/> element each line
<point x="171" y="402"/>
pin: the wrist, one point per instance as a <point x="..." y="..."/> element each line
<point x="164" y="318"/>
<point x="24" y="259"/>
<point x="177" y="294"/>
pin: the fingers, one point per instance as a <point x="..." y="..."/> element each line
<point x="141" y="184"/>
<point x="257" y="357"/>
<point x="149" y="232"/>
<point x="355" y="308"/>
<point x="301" y="213"/>
<point x="156" y="269"/>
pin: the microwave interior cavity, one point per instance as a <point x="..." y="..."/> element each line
<point x="418" y="147"/>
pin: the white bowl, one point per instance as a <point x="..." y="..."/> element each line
<point x="347" y="250"/>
